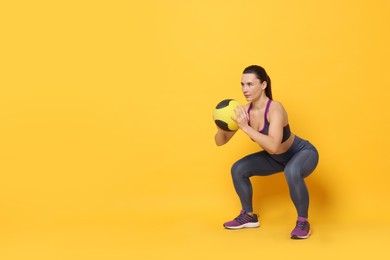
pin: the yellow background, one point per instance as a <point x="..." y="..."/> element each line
<point x="106" y="136"/>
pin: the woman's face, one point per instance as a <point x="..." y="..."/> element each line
<point x="251" y="86"/>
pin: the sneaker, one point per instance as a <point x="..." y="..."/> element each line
<point x="244" y="220"/>
<point x="301" y="230"/>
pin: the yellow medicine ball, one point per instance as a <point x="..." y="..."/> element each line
<point x="223" y="113"/>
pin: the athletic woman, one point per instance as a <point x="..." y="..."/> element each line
<point x="265" y="121"/>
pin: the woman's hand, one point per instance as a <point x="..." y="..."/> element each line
<point x="242" y="119"/>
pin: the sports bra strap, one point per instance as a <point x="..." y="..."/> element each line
<point x="266" y="110"/>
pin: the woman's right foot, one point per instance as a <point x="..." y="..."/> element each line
<point x="244" y="220"/>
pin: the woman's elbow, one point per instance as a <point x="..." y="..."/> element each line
<point x="219" y="143"/>
<point x="273" y="149"/>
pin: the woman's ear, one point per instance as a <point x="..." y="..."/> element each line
<point x="264" y="85"/>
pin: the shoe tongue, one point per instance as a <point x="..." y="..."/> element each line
<point x="242" y="212"/>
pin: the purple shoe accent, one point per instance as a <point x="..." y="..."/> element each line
<point x="301" y="230"/>
<point x="243" y="220"/>
<point x="302" y="219"/>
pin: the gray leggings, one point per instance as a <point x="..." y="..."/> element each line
<point x="297" y="163"/>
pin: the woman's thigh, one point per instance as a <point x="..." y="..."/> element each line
<point x="257" y="164"/>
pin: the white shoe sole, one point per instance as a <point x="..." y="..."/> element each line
<point x="301" y="237"/>
<point x="247" y="225"/>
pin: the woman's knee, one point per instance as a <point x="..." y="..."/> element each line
<point x="238" y="169"/>
<point x="302" y="165"/>
<point x="293" y="173"/>
<point x="235" y="168"/>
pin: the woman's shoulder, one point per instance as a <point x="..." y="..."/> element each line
<point x="276" y="105"/>
<point x="277" y="108"/>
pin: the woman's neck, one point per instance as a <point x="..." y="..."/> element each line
<point x="260" y="103"/>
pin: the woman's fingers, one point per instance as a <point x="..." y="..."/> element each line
<point x="242" y="116"/>
<point x="240" y="111"/>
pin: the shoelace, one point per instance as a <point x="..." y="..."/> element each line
<point x="302" y="225"/>
<point x="243" y="218"/>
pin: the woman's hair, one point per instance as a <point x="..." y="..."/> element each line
<point x="262" y="75"/>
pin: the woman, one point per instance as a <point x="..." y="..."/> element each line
<point x="265" y="121"/>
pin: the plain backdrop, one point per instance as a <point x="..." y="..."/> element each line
<point x="107" y="139"/>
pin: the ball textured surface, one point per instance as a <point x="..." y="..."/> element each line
<point x="223" y="113"/>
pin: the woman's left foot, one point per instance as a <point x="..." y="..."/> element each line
<point x="301" y="230"/>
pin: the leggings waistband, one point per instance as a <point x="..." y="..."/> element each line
<point x="298" y="145"/>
